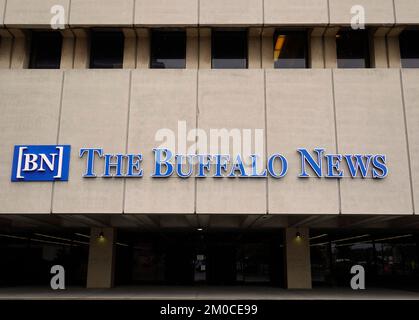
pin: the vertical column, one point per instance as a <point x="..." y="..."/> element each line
<point x="143" y="48"/>
<point x="268" y="48"/>
<point x="316" y="48"/>
<point x="67" y="53"/>
<point x="393" y="47"/>
<point x="297" y="258"/>
<point x="192" y="48"/>
<point x="130" y="49"/>
<point x="379" y="52"/>
<point x="255" y="49"/>
<point x="330" y="54"/>
<point x="20" y="51"/>
<point x="82" y="49"/>
<point x="100" y="273"/>
<point x="204" y="48"/>
<point x="6" y="46"/>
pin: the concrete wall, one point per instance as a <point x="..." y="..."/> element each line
<point x="166" y="13"/>
<point x="411" y="98"/>
<point x="31" y="13"/>
<point x="2" y="7"/>
<point x="121" y="110"/>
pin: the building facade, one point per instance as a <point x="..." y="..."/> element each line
<point x="295" y="74"/>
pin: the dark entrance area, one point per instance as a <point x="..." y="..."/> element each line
<point x="27" y="257"/>
<point x="194" y="258"/>
<point x="390" y="259"/>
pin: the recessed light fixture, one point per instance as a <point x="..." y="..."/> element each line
<point x="101" y="236"/>
<point x="199" y="229"/>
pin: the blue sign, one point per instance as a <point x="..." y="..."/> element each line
<point x="41" y="163"/>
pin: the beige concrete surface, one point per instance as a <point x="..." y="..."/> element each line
<point x="296" y="120"/>
<point x="407" y="11"/>
<point x="204" y="293"/>
<point x="411" y="102"/>
<point x="2" y="9"/>
<point x="376" y="11"/>
<point x="297" y="261"/>
<point x="101" y="265"/>
<point x="6" y="47"/>
<point x="102" y="13"/>
<point x="159" y="100"/>
<point x="231" y="99"/>
<point x="232" y="12"/>
<point x="29" y="104"/>
<point x="296" y="12"/>
<point x="94" y="114"/>
<point x="143" y="48"/>
<point x="369" y="113"/>
<point x="31" y="13"/>
<point x="393" y="49"/>
<point x="166" y="12"/>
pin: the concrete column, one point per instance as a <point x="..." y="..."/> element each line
<point x="379" y="54"/>
<point x="130" y="49"/>
<point x="205" y="48"/>
<point x="297" y="258"/>
<point x="394" y="59"/>
<point x="82" y="49"/>
<point x="192" y="48"/>
<point x="100" y="273"/>
<point x="21" y="48"/>
<point x="255" y="48"/>
<point x="268" y="48"/>
<point x="316" y="48"/>
<point x="330" y="54"/>
<point x="6" y="46"/>
<point x="143" y="48"/>
<point x="393" y="47"/>
<point x="67" y="53"/>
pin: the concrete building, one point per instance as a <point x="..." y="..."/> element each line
<point x="294" y="69"/>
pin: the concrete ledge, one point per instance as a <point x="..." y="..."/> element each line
<point x="297" y="12"/>
<point x="377" y="12"/>
<point x="102" y="13"/>
<point x="166" y="13"/>
<point x="407" y="11"/>
<point x="32" y="14"/>
<point x="231" y="12"/>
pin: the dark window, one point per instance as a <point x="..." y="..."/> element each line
<point x="229" y="49"/>
<point x="409" y="48"/>
<point x="352" y="49"/>
<point x="168" y="49"/>
<point x="45" y="50"/>
<point x="106" y="50"/>
<point x="290" y="49"/>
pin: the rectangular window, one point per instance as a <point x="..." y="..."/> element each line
<point x="106" y="50"/>
<point x="409" y="48"/>
<point x="352" y="49"/>
<point x="290" y="49"/>
<point x="168" y="49"/>
<point x="229" y="49"/>
<point x="45" y="50"/>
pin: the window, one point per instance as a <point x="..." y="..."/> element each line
<point x="106" y="50"/>
<point x="290" y="49"/>
<point x="352" y="49"/>
<point x="168" y="49"/>
<point x="409" y="48"/>
<point x="229" y="49"/>
<point x="45" y="50"/>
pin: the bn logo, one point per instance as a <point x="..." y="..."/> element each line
<point x="41" y="163"/>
